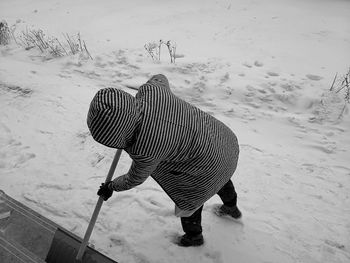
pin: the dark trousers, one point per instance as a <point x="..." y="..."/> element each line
<point x="192" y="225"/>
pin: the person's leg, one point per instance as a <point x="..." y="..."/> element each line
<point x="192" y="226"/>
<point x="228" y="196"/>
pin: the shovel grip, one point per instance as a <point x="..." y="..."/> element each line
<point x="97" y="208"/>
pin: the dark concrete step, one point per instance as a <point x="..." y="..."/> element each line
<point x="23" y="231"/>
<point x="11" y="252"/>
<point x="28" y="237"/>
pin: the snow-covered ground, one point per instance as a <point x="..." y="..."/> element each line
<point x="262" y="67"/>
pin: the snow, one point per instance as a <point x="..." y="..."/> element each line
<point x="261" y="67"/>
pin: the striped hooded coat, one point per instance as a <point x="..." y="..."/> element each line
<point x="189" y="153"/>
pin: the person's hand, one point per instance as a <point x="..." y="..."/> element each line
<point x="105" y="192"/>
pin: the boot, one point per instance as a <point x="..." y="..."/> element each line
<point x="232" y="211"/>
<point x="191" y="241"/>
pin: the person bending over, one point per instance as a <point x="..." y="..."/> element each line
<point x="189" y="153"/>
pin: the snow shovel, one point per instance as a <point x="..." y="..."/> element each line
<point x="64" y="245"/>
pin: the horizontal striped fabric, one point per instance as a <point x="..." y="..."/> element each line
<point x="189" y="153"/>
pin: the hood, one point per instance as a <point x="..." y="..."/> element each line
<point x="112" y="118"/>
<point x="159" y="80"/>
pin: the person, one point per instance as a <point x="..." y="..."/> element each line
<point x="189" y="153"/>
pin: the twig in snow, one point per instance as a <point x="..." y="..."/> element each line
<point x="172" y="51"/>
<point x="343" y="84"/>
<point x="65" y="51"/>
<point x="151" y="48"/>
<point x="335" y="77"/>
<point x="154" y="50"/>
<point x="87" y="50"/>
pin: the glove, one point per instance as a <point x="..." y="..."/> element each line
<point x="105" y="192"/>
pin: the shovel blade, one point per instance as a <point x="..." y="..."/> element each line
<point x="65" y="247"/>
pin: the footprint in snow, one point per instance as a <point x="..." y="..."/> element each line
<point x="248" y="65"/>
<point x="117" y="241"/>
<point x="258" y="63"/>
<point x="100" y="63"/>
<point x="225" y="78"/>
<point x="328" y="149"/>
<point x="342" y="169"/>
<point x="58" y="187"/>
<point x="335" y="244"/>
<point x="17" y="90"/>
<point x="272" y="74"/>
<point x="12" y="152"/>
<point x="314" y="77"/>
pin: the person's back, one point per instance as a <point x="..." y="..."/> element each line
<point x="183" y="128"/>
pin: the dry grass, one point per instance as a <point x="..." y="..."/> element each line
<point x="154" y="50"/>
<point x="5" y="33"/>
<point x="341" y="84"/>
<point x="52" y="46"/>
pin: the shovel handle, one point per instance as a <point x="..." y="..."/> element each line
<point x="97" y="208"/>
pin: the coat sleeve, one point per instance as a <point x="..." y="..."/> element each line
<point x="140" y="169"/>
